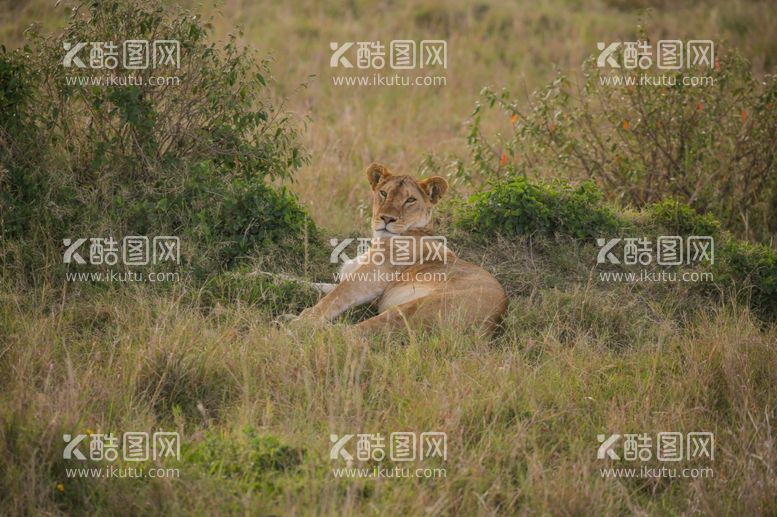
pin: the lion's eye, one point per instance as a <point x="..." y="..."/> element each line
<point x="410" y="201"/>
<point x="382" y="194"/>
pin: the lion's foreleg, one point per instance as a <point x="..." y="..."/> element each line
<point x="348" y="293"/>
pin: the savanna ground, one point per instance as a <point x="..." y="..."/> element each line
<point x="255" y="403"/>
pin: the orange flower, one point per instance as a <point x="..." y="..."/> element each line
<point x="626" y="125"/>
<point x="503" y="160"/>
<point x="744" y="116"/>
<point x="514" y="119"/>
<point x="717" y="64"/>
<point x="700" y="106"/>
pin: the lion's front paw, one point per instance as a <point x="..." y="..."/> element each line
<point x="309" y="317"/>
<point x="284" y="319"/>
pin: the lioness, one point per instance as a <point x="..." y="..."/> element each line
<point x="436" y="286"/>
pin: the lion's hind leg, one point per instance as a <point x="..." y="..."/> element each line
<point x="451" y="310"/>
<point x="419" y="313"/>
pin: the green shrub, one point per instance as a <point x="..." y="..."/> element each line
<point x="193" y="159"/>
<point x="519" y="207"/>
<point x="680" y="219"/>
<point x="220" y="111"/>
<point x="16" y="91"/>
<point x="752" y="270"/>
<point x="18" y="186"/>
<point x="711" y="147"/>
<point x="230" y="218"/>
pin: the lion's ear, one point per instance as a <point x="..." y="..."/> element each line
<point x="375" y="173"/>
<point x="435" y="187"/>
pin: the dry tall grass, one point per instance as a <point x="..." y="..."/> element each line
<point x="521" y="412"/>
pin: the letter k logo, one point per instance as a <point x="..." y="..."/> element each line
<point x="605" y="254"/>
<point x="338" y="449"/>
<point x="71" y="447"/>
<point x="605" y="449"/>
<point x="605" y="56"/>
<point x="71" y="57"/>
<point x="337" y="57"/>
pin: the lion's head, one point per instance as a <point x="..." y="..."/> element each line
<point x="402" y="203"/>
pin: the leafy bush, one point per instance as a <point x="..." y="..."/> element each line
<point x="15" y="93"/>
<point x="220" y="111"/>
<point x="680" y="219"/>
<point x="711" y="147"/>
<point x="519" y="207"/>
<point x="752" y="270"/>
<point x="191" y="159"/>
<point x="19" y="186"/>
<point x="231" y="218"/>
<point x="516" y="206"/>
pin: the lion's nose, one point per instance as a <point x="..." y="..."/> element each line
<point x="388" y="219"/>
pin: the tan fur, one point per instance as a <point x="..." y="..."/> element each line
<point x="445" y="290"/>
